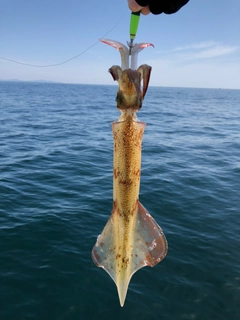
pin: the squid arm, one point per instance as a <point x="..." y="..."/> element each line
<point x="124" y="52"/>
<point x="135" y="50"/>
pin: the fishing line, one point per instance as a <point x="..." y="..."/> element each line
<point x="72" y="58"/>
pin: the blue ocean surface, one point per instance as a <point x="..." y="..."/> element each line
<point x="56" y="153"/>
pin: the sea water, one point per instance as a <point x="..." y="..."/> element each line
<point x="56" y="152"/>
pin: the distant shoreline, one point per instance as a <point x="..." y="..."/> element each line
<point x="96" y="84"/>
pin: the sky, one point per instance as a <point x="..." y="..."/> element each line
<point x="199" y="46"/>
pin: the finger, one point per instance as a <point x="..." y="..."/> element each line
<point x="133" y="6"/>
<point x="145" y="10"/>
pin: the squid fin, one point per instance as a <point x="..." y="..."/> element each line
<point x="122" y="252"/>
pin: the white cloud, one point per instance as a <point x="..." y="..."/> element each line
<point x="214" y="51"/>
<point x="199" y="45"/>
<point x="201" y="50"/>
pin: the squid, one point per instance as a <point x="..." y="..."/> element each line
<point x="131" y="239"/>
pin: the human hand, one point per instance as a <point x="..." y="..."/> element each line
<point x="156" y="6"/>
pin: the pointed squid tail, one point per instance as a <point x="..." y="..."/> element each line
<point x="122" y="248"/>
